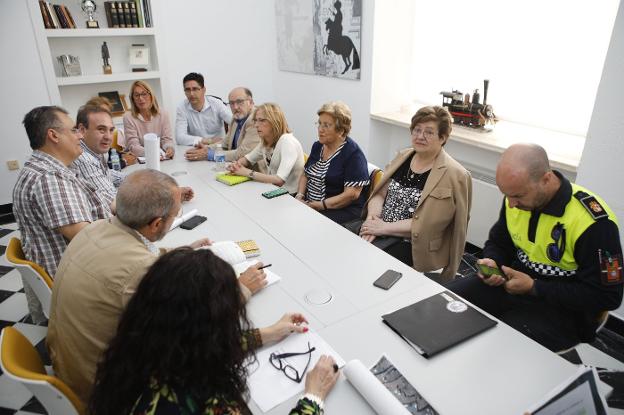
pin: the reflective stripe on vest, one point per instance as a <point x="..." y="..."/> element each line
<point x="575" y="220"/>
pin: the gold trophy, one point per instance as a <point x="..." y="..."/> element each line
<point x="89" y="7"/>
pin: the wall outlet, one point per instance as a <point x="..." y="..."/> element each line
<point x="13" y="164"/>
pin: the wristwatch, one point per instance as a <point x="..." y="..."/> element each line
<point x="251" y="173"/>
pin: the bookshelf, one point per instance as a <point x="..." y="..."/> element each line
<point x="72" y="91"/>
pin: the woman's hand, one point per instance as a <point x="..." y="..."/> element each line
<point x="284" y="327"/>
<point x="237" y="168"/>
<point x="169" y="152"/>
<point x="372" y="227"/>
<point x="320" y="380"/>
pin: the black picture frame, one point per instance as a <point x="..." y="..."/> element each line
<point x="115" y="100"/>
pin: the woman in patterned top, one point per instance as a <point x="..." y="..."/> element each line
<point x="423" y="199"/>
<point x="336" y="171"/>
<point x="184" y="344"/>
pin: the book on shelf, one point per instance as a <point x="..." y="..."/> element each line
<point x="55" y="22"/>
<point x="112" y="18"/>
<point x="133" y="14"/>
<point x="126" y="13"/>
<point x="147" y="12"/>
<point x="139" y="8"/>
<point x="69" y="17"/>
<point x="61" y="17"/>
<point x="47" y="20"/>
<point x="120" y="14"/>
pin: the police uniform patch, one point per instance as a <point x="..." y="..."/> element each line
<point x="610" y="268"/>
<point x="593" y="206"/>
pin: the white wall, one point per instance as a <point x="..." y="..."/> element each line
<point x="23" y="87"/>
<point x="231" y="43"/>
<point x="602" y="166"/>
<point x="301" y="95"/>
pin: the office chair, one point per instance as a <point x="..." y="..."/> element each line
<point x="375" y="174"/>
<point x="32" y="274"/>
<point x="21" y="362"/>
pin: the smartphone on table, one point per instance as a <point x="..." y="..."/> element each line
<point x="192" y="222"/>
<point x="387" y="279"/>
<point x="270" y="194"/>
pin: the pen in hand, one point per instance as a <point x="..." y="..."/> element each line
<point x="265" y="266"/>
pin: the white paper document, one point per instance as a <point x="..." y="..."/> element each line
<point x="578" y="395"/>
<point x="228" y="251"/>
<point x="269" y="386"/>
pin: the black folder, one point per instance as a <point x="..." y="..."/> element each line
<point x="437" y="323"/>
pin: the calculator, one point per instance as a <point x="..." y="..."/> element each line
<point x="274" y="193"/>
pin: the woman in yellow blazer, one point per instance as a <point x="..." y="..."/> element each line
<point x="423" y="200"/>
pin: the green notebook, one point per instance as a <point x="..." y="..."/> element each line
<point x="231" y="179"/>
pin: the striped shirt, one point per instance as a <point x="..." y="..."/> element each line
<point x="48" y="195"/>
<point x="347" y="167"/>
<point x="92" y="168"/>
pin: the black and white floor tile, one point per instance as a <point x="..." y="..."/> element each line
<point x="16" y="399"/>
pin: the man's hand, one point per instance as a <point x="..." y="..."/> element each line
<point x="201" y="242"/>
<point x="519" y="282"/>
<point x="169" y="152"/>
<point x="253" y="278"/>
<point x="186" y="194"/>
<point x="211" y="140"/>
<point x="199" y="152"/>
<point x="493" y="280"/>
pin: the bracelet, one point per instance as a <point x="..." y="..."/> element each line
<point x="299" y="195"/>
<point x="324" y="205"/>
<point x="251" y="174"/>
<point x="316" y="399"/>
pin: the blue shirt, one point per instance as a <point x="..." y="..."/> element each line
<point x="347" y="167"/>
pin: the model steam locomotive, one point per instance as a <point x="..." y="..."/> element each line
<point x="470" y="112"/>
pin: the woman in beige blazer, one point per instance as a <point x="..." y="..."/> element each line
<point x="423" y="199"/>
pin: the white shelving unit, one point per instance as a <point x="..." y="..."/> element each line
<point x="72" y="92"/>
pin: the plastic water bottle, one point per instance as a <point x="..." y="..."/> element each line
<point x="115" y="162"/>
<point x="219" y="158"/>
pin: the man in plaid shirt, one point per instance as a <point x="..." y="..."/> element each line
<point x="50" y="203"/>
<point x="95" y="124"/>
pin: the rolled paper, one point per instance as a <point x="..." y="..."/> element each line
<point x="183" y="218"/>
<point x="151" y="143"/>
<point x="371" y="389"/>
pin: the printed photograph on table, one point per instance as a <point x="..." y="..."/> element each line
<point x="396" y="383"/>
<point x="320" y="37"/>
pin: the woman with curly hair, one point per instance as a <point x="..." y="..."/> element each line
<point x="184" y="344"/>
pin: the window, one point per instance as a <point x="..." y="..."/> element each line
<point x="544" y="59"/>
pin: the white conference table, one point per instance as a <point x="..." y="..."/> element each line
<point x="497" y="372"/>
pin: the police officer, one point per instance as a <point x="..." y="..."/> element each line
<point x="557" y="249"/>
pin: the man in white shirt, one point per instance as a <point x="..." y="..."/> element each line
<point x="200" y="118"/>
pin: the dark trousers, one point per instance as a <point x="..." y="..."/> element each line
<point x="343" y="215"/>
<point x="552" y="327"/>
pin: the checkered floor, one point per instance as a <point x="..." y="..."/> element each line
<point x="16" y="399"/>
